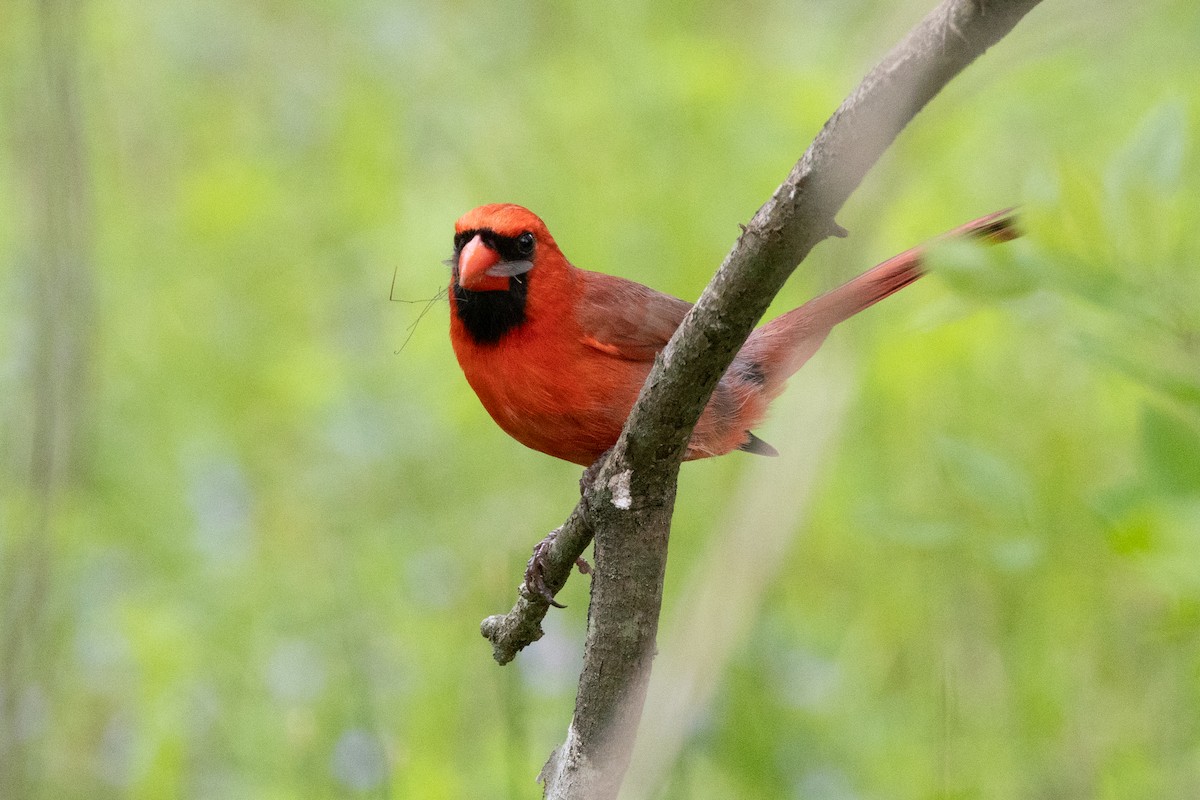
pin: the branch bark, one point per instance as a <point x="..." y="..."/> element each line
<point x="628" y="500"/>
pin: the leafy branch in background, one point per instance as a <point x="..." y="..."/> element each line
<point x="628" y="497"/>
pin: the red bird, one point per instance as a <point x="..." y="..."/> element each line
<point x="558" y="354"/>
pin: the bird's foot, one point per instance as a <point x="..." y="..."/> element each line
<point x="535" y="570"/>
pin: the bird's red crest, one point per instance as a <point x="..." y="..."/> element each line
<point x="505" y="219"/>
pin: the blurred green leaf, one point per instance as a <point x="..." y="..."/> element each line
<point x="985" y="477"/>
<point x="1172" y="447"/>
<point x="1130" y="518"/>
<point x="1154" y="157"/>
<point x="1156" y="364"/>
<point x="1000" y="272"/>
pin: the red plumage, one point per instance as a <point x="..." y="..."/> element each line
<point x="558" y="354"/>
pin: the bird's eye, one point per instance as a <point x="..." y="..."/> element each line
<point x="525" y="243"/>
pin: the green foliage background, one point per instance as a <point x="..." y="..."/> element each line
<point x="248" y="526"/>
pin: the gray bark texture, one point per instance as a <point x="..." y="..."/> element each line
<point x="628" y="497"/>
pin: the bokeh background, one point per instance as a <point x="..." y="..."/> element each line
<point x="251" y="515"/>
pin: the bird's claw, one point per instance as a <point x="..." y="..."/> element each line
<point x="535" y="570"/>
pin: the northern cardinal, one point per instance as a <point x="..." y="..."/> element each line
<point x="558" y="354"/>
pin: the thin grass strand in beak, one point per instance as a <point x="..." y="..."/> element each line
<point x="440" y="294"/>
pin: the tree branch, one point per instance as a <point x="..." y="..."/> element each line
<point x="628" y="503"/>
<point x="510" y="633"/>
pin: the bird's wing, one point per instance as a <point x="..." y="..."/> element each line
<point x="626" y="319"/>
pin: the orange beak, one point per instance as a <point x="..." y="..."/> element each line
<point x="474" y="262"/>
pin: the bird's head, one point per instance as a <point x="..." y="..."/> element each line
<point x="494" y="244"/>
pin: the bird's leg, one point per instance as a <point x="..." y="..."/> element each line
<point x="587" y="479"/>
<point x="591" y="473"/>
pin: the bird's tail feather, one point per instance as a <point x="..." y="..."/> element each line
<point x="789" y="340"/>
